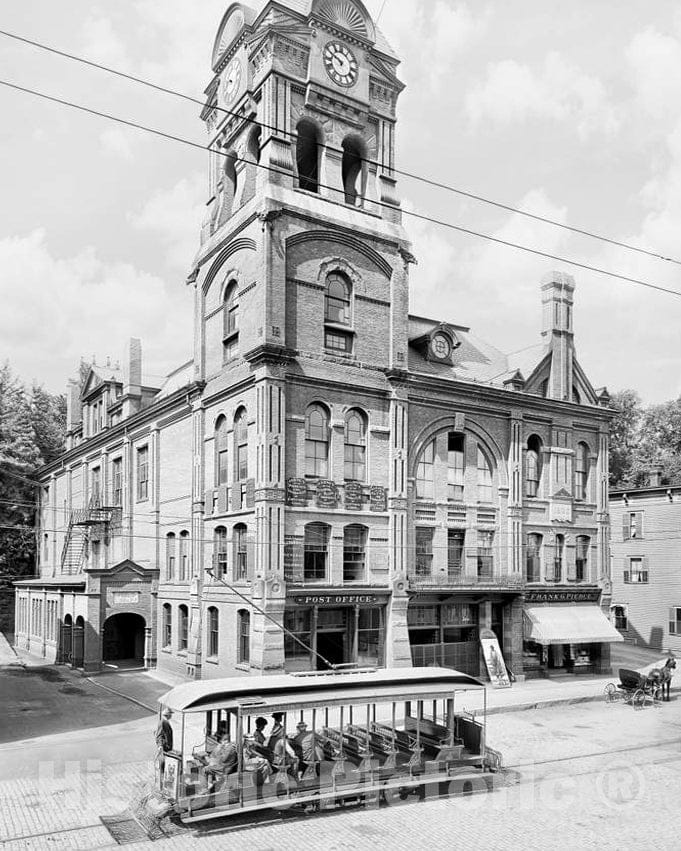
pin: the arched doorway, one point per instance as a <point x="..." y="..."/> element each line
<point x="123" y="639"/>
<point x="66" y="641"/>
<point x="78" y="642"/>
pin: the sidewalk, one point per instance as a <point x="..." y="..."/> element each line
<point x="7" y="653"/>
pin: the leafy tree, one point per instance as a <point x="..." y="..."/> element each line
<point x="642" y="438"/>
<point x="32" y="432"/>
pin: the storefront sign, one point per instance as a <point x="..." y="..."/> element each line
<point x="125" y="598"/>
<point x="494" y="660"/>
<point x="338" y="600"/>
<point x="354" y="496"/>
<point x="571" y="595"/>
<point x="327" y="495"/>
<point x="296" y="492"/>
<point x="293" y="560"/>
<point x="377" y="498"/>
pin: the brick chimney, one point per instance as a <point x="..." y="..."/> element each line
<point x="134" y="364"/>
<point x="655" y="476"/>
<point x="557" y="302"/>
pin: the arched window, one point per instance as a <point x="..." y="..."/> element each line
<point x="354" y="155"/>
<point x="167" y="636"/>
<point x="243" y="636"/>
<point x="533" y="557"/>
<point x="484" y="477"/>
<point x="228" y="186"/>
<point x="456" y="465"/>
<point x="582" y="464"/>
<point x="241" y="445"/>
<point x="425" y="470"/>
<point x="239" y="534"/>
<point x="221" y="452"/>
<point x="354" y="553"/>
<point x="230" y="322"/>
<point x="316" y="442"/>
<point x="533" y="466"/>
<point x="184" y="556"/>
<point x="170" y="556"/>
<point x="583" y="544"/>
<point x="355" y="446"/>
<point x="213" y="632"/>
<point x="316" y="552"/>
<point x="337" y="312"/>
<point x="308" y="150"/>
<point x="253" y="145"/>
<point x="220" y="552"/>
<point x="337" y="299"/>
<point x="182" y="627"/>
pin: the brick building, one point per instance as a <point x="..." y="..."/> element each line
<point x="382" y="486"/>
<point x="646" y="574"/>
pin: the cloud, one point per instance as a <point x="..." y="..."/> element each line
<point x="174" y="216"/>
<point x="117" y="142"/>
<point x="655" y="64"/>
<point x="79" y="301"/>
<point x="103" y="44"/>
<point x="514" y="93"/>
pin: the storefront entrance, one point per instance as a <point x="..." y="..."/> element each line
<point x="123" y="639"/>
<point x="330" y="645"/>
<point x="445" y="635"/>
<point x="342" y="629"/>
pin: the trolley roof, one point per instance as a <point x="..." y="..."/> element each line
<point x="323" y="689"/>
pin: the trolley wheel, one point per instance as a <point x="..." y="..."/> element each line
<point x="610" y="693"/>
<point x="638" y="699"/>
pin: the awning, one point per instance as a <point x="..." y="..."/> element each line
<point x="569" y="624"/>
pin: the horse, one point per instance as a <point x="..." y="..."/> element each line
<point x="663" y="676"/>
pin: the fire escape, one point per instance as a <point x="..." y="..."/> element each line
<point x="83" y="522"/>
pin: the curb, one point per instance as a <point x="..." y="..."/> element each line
<point x="544" y="704"/>
<point x="134" y="700"/>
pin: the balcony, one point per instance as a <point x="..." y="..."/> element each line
<point x="485" y="576"/>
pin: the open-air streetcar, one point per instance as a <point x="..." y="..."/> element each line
<point x="362" y="736"/>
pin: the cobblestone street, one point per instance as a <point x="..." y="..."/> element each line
<point x="589" y="776"/>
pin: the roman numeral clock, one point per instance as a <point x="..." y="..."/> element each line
<point x="340" y="63"/>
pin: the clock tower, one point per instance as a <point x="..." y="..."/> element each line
<point x="301" y="323"/>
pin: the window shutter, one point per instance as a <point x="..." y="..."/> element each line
<point x="222" y="499"/>
<point x="236" y="497"/>
<point x="644" y="567"/>
<point x="639" y="524"/>
<point x="625" y="526"/>
<point x="250" y="493"/>
<point x="208" y="502"/>
<point x="626" y="577"/>
<point x="672" y="621"/>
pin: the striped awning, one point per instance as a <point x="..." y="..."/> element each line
<point x="569" y="624"/>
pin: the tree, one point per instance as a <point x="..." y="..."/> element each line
<point x="32" y="432"/>
<point x="624" y="435"/>
<point x="643" y="438"/>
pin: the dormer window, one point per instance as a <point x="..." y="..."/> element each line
<point x="438" y="345"/>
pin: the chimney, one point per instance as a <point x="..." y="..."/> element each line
<point x="557" y="290"/>
<point x="134" y="364"/>
<point x="655" y="475"/>
<point x="74" y="409"/>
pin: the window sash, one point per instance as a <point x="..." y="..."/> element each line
<point x="316" y="458"/>
<point x="143" y="473"/>
<point x="355" y="468"/>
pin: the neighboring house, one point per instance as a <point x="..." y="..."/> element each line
<point x="646" y="564"/>
<point x="330" y="480"/>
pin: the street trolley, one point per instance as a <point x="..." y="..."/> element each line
<point x="367" y="736"/>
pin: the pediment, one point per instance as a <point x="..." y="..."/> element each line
<point x="92" y="382"/>
<point x="562" y="494"/>
<point x="380" y="71"/>
<point x="130" y="567"/>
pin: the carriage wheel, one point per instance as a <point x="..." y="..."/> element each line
<point x="610" y="693"/>
<point x="638" y="699"/>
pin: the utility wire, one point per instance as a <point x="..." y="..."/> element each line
<point x="449" y="225"/>
<point x="429" y="181"/>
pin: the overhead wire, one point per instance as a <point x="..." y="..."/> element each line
<point x="432" y="220"/>
<point x="410" y="175"/>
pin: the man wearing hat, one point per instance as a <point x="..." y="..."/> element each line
<point x="164" y="736"/>
<point x="307" y="747"/>
<point x="277" y="731"/>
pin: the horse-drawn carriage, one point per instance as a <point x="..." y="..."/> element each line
<point x="639" y="687"/>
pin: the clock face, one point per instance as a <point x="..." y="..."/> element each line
<point x="340" y="64"/>
<point x="440" y="346"/>
<point x="231" y="80"/>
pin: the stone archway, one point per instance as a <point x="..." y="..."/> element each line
<point x="123" y="639"/>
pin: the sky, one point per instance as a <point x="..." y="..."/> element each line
<point x="571" y="111"/>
